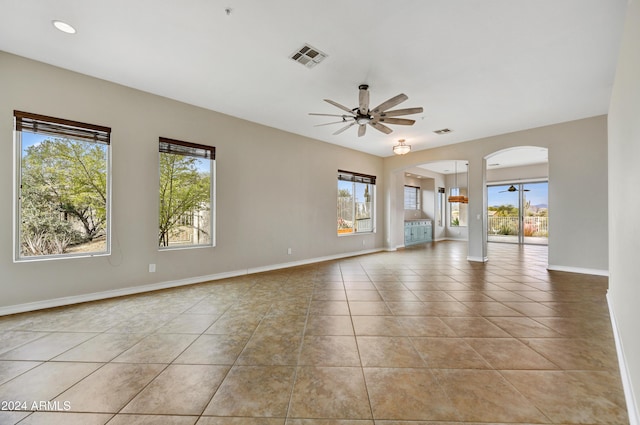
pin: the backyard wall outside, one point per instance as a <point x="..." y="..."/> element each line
<point x="275" y="190"/>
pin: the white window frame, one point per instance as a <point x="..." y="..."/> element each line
<point x="72" y="127"/>
<point x="212" y="195"/>
<point x="357" y="178"/>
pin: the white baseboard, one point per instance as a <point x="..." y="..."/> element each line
<point x="478" y="259"/>
<point x="113" y="293"/>
<point x="632" y="409"/>
<point x="581" y="270"/>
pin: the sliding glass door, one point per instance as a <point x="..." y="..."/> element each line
<point x="518" y="213"/>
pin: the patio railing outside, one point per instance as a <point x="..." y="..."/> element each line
<point x="509" y="225"/>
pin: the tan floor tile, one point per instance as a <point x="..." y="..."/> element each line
<point x="188" y="324"/>
<point x="425" y="326"/>
<point x="576" y="353"/>
<point x="157" y="348"/>
<point x="565" y="399"/>
<point x="378" y="326"/>
<point x="142" y="323"/>
<point x="327" y="350"/>
<point x="213" y="349"/>
<point x="369" y="308"/>
<point x="179" y="390"/>
<point x="433" y="296"/>
<point x="47" y="347"/>
<point x="329" y="422"/>
<point x="45" y="381"/>
<point x="491" y="309"/>
<point x="66" y="418"/>
<point x="485" y="396"/>
<point x="509" y="354"/>
<point x="532" y="309"/>
<point x="109" y="388"/>
<point x="474" y="327"/>
<point x="329" y="295"/>
<point x="523" y="327"/>
<point x="449" y="353"/>
<point x="384" y="351"/>
<point x="362" y="295"/>
<point x="329" y="325"/>
<point x="253" y="391"/>
<point x="447" y="309"/>
<point x="10" y="369"/>
<point x="235" y="323"/>
<point x="469" y="296"/>
<point x="102" y="348"/>
<point x="404" y="296"/>
<point x="329" y="308"/>
<point x="282" y="325"/>
<point x="210" y="420"/>
<point x="271" y="350"/>
<point x="329" y="392"/>
<point x="10" y="418"/>
<point x="123" y="419"/>
<point x="10" y="340"/>
<point x="417" y="395"/>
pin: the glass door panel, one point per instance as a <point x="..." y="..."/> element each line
<point x="503" y="215"/>
<point x="535" y="198"/>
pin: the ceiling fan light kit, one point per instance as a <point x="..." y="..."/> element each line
<point x="377" y="117"/>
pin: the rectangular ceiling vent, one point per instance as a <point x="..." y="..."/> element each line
<point x="443" y="131"/>
<point x="308" y="56"/>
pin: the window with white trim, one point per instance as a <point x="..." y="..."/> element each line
<point x="411" y="197"/>
<point x="187" y="195"/>
<point x="356" y="203"/>
<point x="62" y="187"/>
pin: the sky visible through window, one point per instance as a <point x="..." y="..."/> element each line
<point x="538" y="195"/>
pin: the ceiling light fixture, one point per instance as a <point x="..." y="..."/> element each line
<point x="64" y="27"/>
<point x="401" y="148"/>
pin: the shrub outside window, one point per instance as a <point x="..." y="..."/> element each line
<point x="62" y="187"/>
<point x="356" y="205"/>
<point x="187" y="196"/>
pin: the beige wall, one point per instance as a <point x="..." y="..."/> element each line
<point x="578" y="239"/>
<point x="624" y="205"/>
<point x="275" y="190"/>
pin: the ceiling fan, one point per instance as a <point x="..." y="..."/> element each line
<point x="377" y="117"/>
<point x="512" y="188"/>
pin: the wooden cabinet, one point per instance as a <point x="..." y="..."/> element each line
<point x="417" y="231"/>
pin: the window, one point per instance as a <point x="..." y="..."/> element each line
<point x="62" y="187"/>
<point x="458" y="210"/>
<point x="411" y="198"/>
<point x="441" y="203"/>
<point x="356" y="206"/>
<point x="187" y="195"/>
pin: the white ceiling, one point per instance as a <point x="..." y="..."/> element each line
<point x="480" y="68"/>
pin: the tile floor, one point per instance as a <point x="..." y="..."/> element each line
<point x="415" y="337"/>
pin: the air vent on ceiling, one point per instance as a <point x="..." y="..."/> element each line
<point x="443" y="131"/>
<point x="308" y="56"/>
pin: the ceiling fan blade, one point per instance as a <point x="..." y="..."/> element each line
<point x="363" y="100"/>
<point x="329" y="115"/>
<point x="337" y="105"/>
<point x="344" y="128"/>
<point x="406" y="111"/>
<point x="398" y="121"/>
<point x="329" y="123"/>
<point x="380" y="127"/>
<point x="396" y="100"/>
<point x="362" y="129"/>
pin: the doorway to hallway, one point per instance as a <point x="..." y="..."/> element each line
<point x="518" y="213"/>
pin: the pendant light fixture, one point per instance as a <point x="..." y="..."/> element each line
<point x="401" y="148"/>
<point x="458" y="197"/>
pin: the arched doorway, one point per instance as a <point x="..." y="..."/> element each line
<point x="517" y="182"/>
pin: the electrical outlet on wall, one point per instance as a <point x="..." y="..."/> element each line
<point x="152" y="268"/>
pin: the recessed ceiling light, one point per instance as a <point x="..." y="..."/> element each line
<point x="64" y="27"/>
